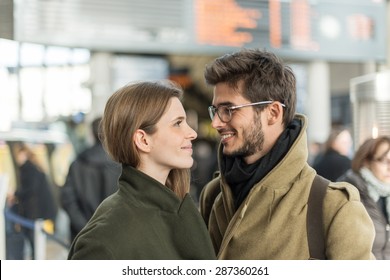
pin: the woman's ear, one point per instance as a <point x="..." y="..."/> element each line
<point x="141" y="140"/>
<point x="275" y="113"/>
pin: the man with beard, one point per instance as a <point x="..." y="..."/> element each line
<point x="257" y="206"/>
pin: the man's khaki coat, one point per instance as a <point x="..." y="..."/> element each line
<point x="271" y="222"/>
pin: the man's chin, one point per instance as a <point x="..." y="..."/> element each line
<point x="232" y="153"/>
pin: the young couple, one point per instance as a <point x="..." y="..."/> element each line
<point x="255" y="209"/>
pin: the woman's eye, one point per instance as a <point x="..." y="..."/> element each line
<point x="178" y="123"/>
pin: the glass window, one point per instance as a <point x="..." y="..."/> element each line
<point x="49" y="82"/>
<point x="57" y="56"/>
<point x="8" y="53"/>
<point x="31" y="54"/>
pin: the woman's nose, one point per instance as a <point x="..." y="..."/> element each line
<point x="192" y="133"/>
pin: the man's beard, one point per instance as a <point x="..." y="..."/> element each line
<point x="253" y="140"/>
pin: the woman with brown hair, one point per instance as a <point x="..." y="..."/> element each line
<point x="371" y="175"/>
<point x="151" y="216"/>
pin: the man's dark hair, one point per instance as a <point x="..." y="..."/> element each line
<point x="263" y="75"/>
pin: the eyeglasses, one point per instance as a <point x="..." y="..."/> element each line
<point x="225" y="112"/>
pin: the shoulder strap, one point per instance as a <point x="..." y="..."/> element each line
<point x="315" y="230"/>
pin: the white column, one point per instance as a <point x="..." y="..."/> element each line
<point x="39" y="241"/>
<point x="318" y="105"/>
<point x="100" y="82"/>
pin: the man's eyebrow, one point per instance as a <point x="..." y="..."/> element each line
<point x="224" y="104"/>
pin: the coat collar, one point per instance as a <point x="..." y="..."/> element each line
<point x="285" y="172"/>
<point x="141" y="189"/>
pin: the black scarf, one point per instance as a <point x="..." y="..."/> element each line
<point x="241" y="177"/>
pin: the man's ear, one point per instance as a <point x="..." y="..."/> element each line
<point x="275" y="113"/>
<point x="141" y="140"/>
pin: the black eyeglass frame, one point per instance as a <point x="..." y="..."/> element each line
<point x="215" y="110"/>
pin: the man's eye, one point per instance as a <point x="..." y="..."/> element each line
<point x="226" y="111"/>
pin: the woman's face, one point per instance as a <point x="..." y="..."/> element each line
<point x="171" y="143"/>
<point x="380" y="166"/>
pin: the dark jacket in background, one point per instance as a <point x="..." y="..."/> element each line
<point x="92" y="177"/>
<point x="143" y="220"/>
<point x="34" y="200"/>
<point x="34" y="194"/>
<point x="331" y="165"/>
<point x="381" y="247"/>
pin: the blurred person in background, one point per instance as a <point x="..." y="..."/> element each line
<point x="370" y="173"/>
<point x="91" y="178"/>
<point x="152" y="215"/>
<point x="205" y="165"/>
<point x="334" y="161"/>
<point x="33" y="198"/>
<point x="315" y="149"/>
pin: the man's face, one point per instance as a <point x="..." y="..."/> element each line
<point x="243" y="134"/>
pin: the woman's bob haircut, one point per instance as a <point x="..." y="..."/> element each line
<point x="139" y="106"/>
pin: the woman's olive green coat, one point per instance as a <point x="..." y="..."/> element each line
<point x="143" y="220"/>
